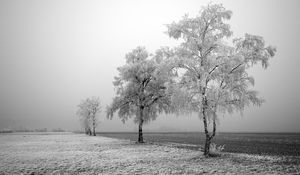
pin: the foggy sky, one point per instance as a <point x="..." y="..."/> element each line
<point x="54" y="53"/>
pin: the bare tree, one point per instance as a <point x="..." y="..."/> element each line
<point x="87" y="110"/>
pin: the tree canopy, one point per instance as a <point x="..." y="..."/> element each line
<point x="214" y="74"/>
<point x="140" y="89"/>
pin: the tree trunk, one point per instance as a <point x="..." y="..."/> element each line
<point x="141" y="121"/>
<point x="90" y="132"/>
<point x="207" y="136"/>
<point x="141" y="140"/>
<point x="94" y="132"/>
<point x="207" y="146"/>
<point x="94" y="126"/>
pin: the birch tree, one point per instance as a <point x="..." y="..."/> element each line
<point x="140" y="90"/>
<point x="214" y="76"/>
<point x="87" y="110"/>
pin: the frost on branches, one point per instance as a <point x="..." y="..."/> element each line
<point x="211" y="75"/>
<point x="87" y="111"/>
<point x="140" y="90"/>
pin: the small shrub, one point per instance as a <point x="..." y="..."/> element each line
<point x="216" y="150"/>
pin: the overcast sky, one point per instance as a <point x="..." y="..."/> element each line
<point x="53" y="53"/>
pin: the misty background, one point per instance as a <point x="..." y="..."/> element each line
<point x="54" y="53"/>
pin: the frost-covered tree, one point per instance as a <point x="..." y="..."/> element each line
<point x="140" y="90"/>
<point x="86" y="125"/>
<point x="212" y="74"/>
<point x="87" y="110"/>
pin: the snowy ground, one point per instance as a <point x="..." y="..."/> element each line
<point x="79" y="154"/>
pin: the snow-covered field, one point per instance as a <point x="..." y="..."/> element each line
<point x="68" y="153"/>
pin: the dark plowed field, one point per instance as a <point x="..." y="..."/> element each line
<point x="287" y="144"/>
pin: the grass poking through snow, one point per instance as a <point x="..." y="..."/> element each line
<point x="80" y="154"/>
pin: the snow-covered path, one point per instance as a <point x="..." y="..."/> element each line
<point x="79" y="154"/>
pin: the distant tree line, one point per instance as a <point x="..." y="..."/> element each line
<point x="6" y="131"/>
<point x="204" y="74"/>
<point x="22" y="129"/>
